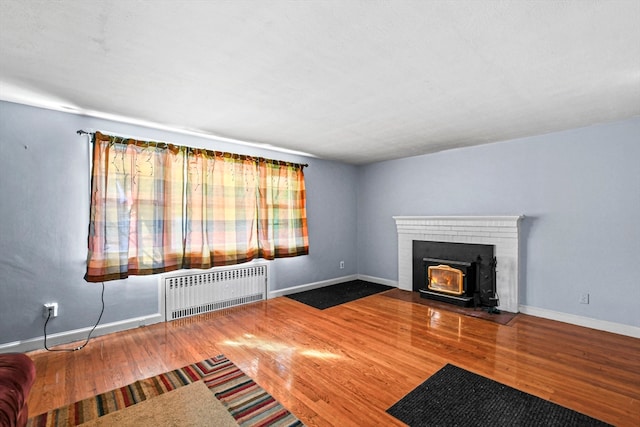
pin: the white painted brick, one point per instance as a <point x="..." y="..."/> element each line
<point x="500" y="231"/>
<point x="472" y="233"/>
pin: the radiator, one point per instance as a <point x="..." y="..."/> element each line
<point x="191" y="293"/>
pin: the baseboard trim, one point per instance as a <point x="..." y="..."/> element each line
<point x="66" y="337"/>
<point x="323" y="283"/>
<point x="587" y="322"/>
<point x="122" y="325"/>
<point x="378" y="280"/>
<point x="309" y="286"/>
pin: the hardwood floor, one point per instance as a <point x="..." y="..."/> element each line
<point x="344" y="366"/>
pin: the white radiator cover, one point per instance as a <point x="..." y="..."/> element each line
<point x="189" y="293"/>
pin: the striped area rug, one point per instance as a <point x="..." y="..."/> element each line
<point x="247" y="402"/>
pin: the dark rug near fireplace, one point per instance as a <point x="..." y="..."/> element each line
<point x="333" y="295"/>
<point x="456" y="397"/>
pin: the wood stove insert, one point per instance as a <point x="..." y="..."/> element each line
<point x="457" y="273"/>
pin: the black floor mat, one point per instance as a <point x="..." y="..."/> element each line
<point x="456" y="397"/>
<point x="333" y="295"/>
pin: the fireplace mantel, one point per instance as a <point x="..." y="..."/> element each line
<point x="500" y="231"/>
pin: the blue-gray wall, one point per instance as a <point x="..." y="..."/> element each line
<point x="44" y="188"/>
<point x="579" y="191"/>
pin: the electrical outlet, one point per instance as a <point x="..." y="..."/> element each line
<point x="51" y="309"/>
<point x="341" y="264"/>
<point x="584" y="299"/>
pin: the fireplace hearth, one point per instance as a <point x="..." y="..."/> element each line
<point x="457" y="273"/>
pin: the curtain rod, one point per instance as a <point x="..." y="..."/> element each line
<point x="305" y="165"/>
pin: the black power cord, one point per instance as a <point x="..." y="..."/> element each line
<point x="88" y="337"/>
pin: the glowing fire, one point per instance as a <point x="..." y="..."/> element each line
<point x="447" y="279"/>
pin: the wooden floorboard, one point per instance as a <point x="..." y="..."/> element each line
<point x="347" y="364"/>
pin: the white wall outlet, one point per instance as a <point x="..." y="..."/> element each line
<point x="584" y="298"/>
<point x="51" y="309"/>
<point x="341" y="264"/>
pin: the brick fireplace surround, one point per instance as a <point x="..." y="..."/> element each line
<point x="500" y="231"/>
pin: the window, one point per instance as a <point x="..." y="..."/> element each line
<point x="160" y="207"/>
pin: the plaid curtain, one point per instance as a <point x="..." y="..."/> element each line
<point x="221" y="215"/>
<point x="157" y="207"/>
<point x="282" y="225"/>
<point x="135" y="225"/>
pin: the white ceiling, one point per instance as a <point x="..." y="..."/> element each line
<point x="352" y="80"/>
